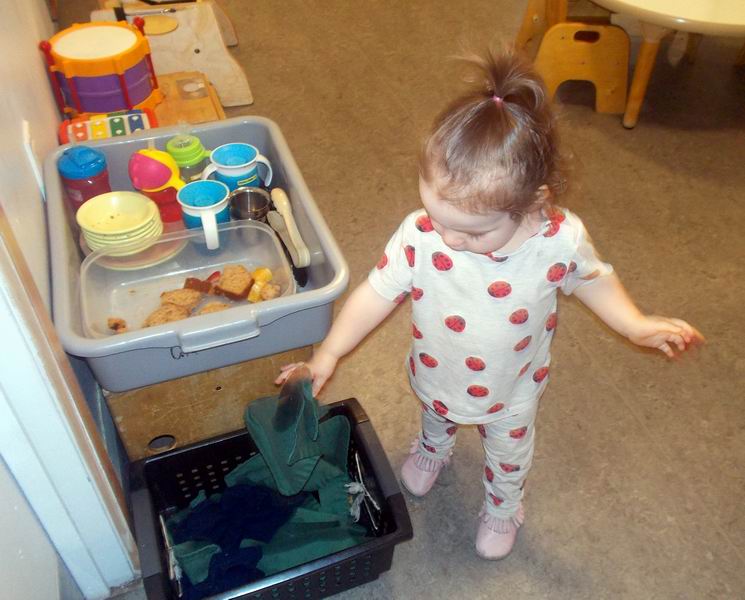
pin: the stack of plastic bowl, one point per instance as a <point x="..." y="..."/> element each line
<point x="115" y="219"/>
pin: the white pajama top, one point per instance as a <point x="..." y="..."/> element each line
<point x="483" y="323"/>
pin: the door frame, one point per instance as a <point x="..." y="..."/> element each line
<point x="49" y="440"/>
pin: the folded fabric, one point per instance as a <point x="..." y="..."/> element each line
<point x="242" y="511"/>
<point x="253" y="471"/>
<point x="290" y="547"/>
<point x="227" y="570"/>
<point x="194" y="559"/>
<point x="300" y="452"/>
<point x="315" y="529"/>
<point x="285" y="506"/>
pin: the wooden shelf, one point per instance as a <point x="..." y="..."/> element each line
<point x="188" y="98"/>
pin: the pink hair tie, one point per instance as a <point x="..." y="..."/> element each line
<point x="497" y="99"/>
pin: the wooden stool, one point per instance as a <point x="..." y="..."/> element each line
<point x="595" y="53"/>
<point x="539" y="16"/>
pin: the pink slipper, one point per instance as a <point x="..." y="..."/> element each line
<point x="496" y="537"/>
<point x="419" y="472"/>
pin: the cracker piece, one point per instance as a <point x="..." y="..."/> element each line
<point x="166" y="314"/>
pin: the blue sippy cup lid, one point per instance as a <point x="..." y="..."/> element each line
<point x="79" y="162"/>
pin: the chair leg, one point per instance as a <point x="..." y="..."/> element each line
<point x="642" y="72"/>
<point x="540" y="15"/>
<point x="740" y="60"/>
<point x="610" y="99"/>
<point x="531" y="28"/>
<point x="556" y="11"/>
<point x="694" y="39"/>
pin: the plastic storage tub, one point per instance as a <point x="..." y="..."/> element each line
<point x="181" y="348"/>
<point x="171" y="480"/>
<point x="129" y="287"/>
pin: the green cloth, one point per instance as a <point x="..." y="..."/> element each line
<point x="253" y="471"/>
<point x="194" y="559"/>
<point x="301" y="449"/>
<point x="288" y="549"/>
<point x="309" y="534"/>
<point x="193" y="556"/>
<point x="180" y="515"/>
<point x="293" y="442"/>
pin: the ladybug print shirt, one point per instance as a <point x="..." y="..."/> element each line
<point x="483" y="323"/>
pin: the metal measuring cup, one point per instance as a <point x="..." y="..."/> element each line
<point x="249" y="203"/>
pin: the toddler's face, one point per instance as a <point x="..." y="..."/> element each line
<point x="464" y="231"/>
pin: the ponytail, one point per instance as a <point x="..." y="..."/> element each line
<point x="495" y="145"/>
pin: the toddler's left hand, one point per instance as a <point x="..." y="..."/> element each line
<point x="665" y="334"/>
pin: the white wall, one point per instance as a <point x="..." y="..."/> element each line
<point x="25" y="94"/>
<point x="98" y="549"/>
<point x="28" y="561"/>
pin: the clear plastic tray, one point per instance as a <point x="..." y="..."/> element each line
<point x="129" y="287"/>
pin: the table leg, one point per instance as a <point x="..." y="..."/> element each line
<point x="643" y="70"/>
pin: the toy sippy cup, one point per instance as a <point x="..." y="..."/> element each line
<point x="190" y="156"/>
<point x="84" y="175"/>
<point x="155" y="174"/>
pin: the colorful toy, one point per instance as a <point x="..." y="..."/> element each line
<point x="101" y="67"/>
<point x="96" y="127"/>
<point x="190" y="155"/>
<point x="156" y="174"/>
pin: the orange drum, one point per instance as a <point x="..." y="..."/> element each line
<point x="101" y="67"/>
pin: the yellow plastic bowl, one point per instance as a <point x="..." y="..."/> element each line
<point x="123" y="237"/>
<point x="95" y="244"/>
<point x="129" y="247"/>
<point x="116" y="213"/>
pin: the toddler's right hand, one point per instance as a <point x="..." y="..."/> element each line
<point x="321" y="367"/>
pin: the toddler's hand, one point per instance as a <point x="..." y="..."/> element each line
<point x="665" y="334"/>
<point x="321" y="367"/>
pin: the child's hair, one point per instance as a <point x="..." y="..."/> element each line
<point x="497" y="144"/>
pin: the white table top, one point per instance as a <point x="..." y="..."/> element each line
<point x="710" y="17"/>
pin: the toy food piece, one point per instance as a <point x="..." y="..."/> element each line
<point x="269" y="291"/>
<point x="235" y="282"/>
<point x="200" y="285"/>
<point x="165" y="314"/>
<point x="185" y="298"/>
<point x="212" y="307"/>
<point x="255" y="294"/>
<point x="117" y="325"/>
<point x="262" y="276"/>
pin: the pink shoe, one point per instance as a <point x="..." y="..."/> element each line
<point x="496" y="537"/>
<point x="419" y="472"/>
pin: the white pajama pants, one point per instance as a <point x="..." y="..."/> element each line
<point x="508" y="450"/>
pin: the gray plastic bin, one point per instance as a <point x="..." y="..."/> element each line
<point x="147" y="356"/>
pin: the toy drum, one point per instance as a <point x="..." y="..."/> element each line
<point x="101" y="67"/>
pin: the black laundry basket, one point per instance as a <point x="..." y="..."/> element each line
<point x="169" y="481"/>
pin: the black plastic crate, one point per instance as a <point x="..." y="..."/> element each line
<point x="169" y="481"/>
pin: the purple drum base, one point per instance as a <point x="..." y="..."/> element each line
<point x="103" y="94"/>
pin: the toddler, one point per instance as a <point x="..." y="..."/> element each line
<point x="483" y="262"/>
